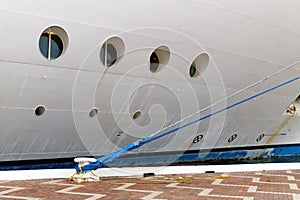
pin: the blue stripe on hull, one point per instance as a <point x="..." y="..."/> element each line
<point x="284" y="153"/>
<point x="276" y="154"/>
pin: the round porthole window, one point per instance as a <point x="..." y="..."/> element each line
<point x="53" y="42"/>
<point x="111" y="51"/>
<point x="232" y="138"/>
<point x="159" y="57"/>
<point x="136" y="115"/>
<point x="40" y="110"/>
<point x="199" y="65"/>
<point x="93" y="112"/>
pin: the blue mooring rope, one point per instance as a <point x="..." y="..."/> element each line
<point x="104" y="160"/>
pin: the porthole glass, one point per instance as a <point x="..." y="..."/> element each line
<point x="51" y="45"/>
<point x="111" y="51"/>
<point x="232" y="138"/>
<point x="93" y="112"/>
<point x="159" y="57"/>
<point x="53" y="42"/>
<point x="199" y="65"/>
<point x="193" y="70"/>
<point x="40" y="110"/>
<point x="108" y="54"/>
<point x="260" y="137"/>
<point x="197" y="139"/>
<point x="154" y="62"/>
<point x="137" y="114"/>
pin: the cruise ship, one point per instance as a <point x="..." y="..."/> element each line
<point x="87" y="78"/>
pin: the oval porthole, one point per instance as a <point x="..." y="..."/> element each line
<point x="260" y="137"/>
<point x="136" y="115"/>
<point x="160" y="56"/>
<point x="40" y="110"/>
<point x="199" y="65"/>
<point x="197" y="139"/>
<point x="154" y="62"/>
<point x="111" y="51"/>
<point x="232" y="138"/>
<point x="193" y="70"/>
<point x="93" y="112"/>
<point x="53" y="42"/>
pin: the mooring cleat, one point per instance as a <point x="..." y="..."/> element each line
<point x="83" y="177"/>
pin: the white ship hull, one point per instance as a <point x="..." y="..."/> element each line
<point x="244" y="43"/>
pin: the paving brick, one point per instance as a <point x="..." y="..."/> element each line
<point x="244" y="185"/>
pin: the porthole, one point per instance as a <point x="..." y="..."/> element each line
<point x="232" y="138"/>
<point x="93" y="112"/>
<point x="53" y="42"/>
<point x="158" y="58"/>
<point x="260" y="137"/>
<point x="197" y="139"/>
<point x="136" y="115"/>
<point x="108" y="54"/>
<point x="193" y="70"/>
<point x="40" y="110"/>
<point x="111" y="51"/>
<point x="154" y="62"/>
<point x="199" y="65"/>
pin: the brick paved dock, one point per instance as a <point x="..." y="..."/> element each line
<point x="270" y="185"/>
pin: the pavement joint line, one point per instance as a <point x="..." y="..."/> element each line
<point x="292" y="172"/>
<point x="151" y="196"/>
<point x="176" y="185"/>
<point x="252" y="189"/>
<point x="290" y="178"/>
<point x="11" y="189"/>
<point x="293" y="186"/>
<point x="236" y="176"/>
<point x="296" y="196"/>
<point x="219" y="182"/>
<point x="1" y="182"/>
<point x="255" y="180"/>
<point x="278" y="193"/>
<point x="73" y="187"/>
<point x="207" y="192"/>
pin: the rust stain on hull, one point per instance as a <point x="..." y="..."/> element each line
<point x="278" y="131"/>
